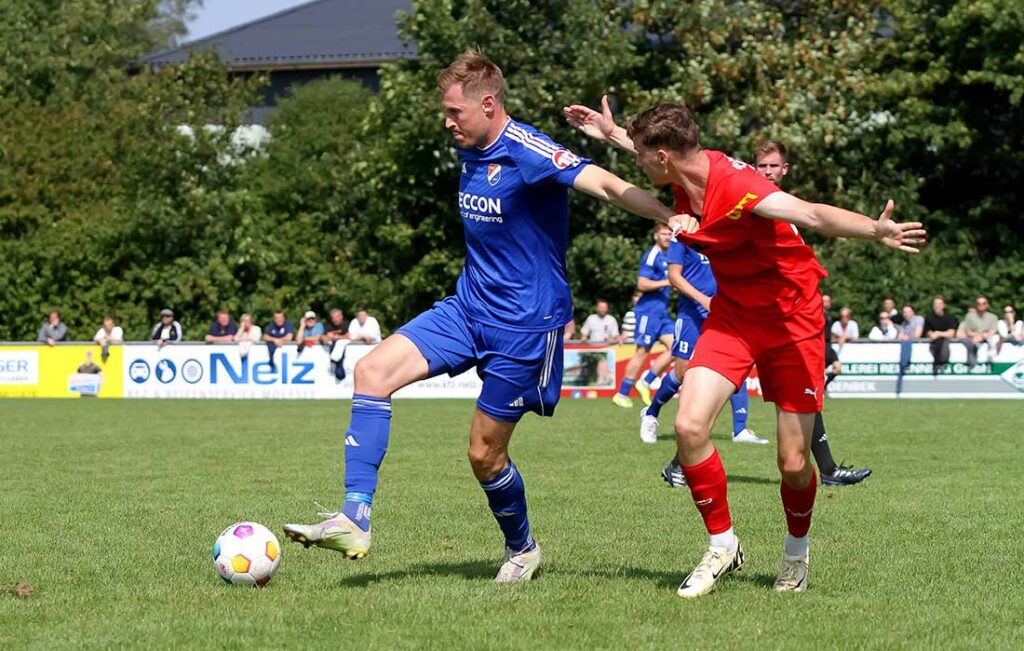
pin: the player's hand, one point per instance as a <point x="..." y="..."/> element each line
<point x="598" y="126"/>
<point x="899" y="236"/>
<point x="683" y="224"/>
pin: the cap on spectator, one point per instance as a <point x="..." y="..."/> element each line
<point x="166" y="312"/>
<point x="310" y="314"/>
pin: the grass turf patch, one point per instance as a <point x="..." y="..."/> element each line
<point x="110" y="510"/>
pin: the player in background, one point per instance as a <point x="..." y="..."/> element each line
<point x="766" y="276"/>
<point x="772" y="162"/>
<point x="506" y="317"/>
<point x="653" y="322"/>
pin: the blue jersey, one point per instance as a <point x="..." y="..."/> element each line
<point x="654" y="265"/>
<point x="697" y="272"/>
<point x="514" y="202"/>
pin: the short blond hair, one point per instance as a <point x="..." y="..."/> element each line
<point x="478" y="75"/>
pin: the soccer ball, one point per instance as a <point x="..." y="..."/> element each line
<point x="246" y="553"/>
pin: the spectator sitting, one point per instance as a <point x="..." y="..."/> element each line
<point x="222" y="330"/>
<point x="629" y="322"/>
<point x="167" y="330"/>
<point x="52" y="330"/>
<point x="940" y="327"/>
<point x="600" y="327"/>
<point x="110" y="333"/>
<point x="889" y="307"/>
<point x="310" y="330"/>
<point x="337" y="328"/>
<point x="277" y="333"/>
<point x="982" y="327"/>
<point x="365" y="328"/>
<point x="1011" y="330"/>
<point x="89" y="366"/>
<point x="845" y="329"/>
<point x="909" y="330"/>
<point x="885" y="330"/>
<point x="247" y="335"/>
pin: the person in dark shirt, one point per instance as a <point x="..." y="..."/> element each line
<point x="940" y="327"/>
<point x="277" y="333"/>
<point x="336" y="328"/>
<point x="222" y="330"/>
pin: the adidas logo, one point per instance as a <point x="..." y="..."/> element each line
<point x="518" y="402"/>
<point x="350" y="440"/>
<point x="741" y="410"/>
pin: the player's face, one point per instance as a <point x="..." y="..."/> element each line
<point x="654" y="163"/>
<point x="466" y="117"/>
<point x="772" y="167"/>
<point x="662" y="237"/>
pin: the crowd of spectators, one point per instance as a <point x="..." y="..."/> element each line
<point x="225" y="330"/>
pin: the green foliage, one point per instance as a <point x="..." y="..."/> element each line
<point x="108" y="203"/>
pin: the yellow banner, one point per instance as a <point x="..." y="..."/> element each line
<point x="52" y="372"/>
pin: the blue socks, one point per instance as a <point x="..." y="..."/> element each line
<point x="740" y="405"/>
<point x="506" y="495"/>
<point x="626" y="386"/>
<point x="669" y="386"/>
<point x="366" y="442"/>
<point x="650" y="377"/>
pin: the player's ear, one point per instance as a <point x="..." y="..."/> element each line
<point x="489" y="105"/>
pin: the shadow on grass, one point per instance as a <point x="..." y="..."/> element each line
<point x="473" y="570"/>
<point x="674" y="578"/>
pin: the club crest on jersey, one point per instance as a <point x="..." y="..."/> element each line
<point x="564" y="159"/>
<point x="737" y="212"/>
<point x="493" y="173"/>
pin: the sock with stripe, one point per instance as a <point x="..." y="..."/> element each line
<point x="626" y="386"/>
<point x="669" y="386"/>
<point x="506" y="494"/>
<point x="710" y="493"/>
<point x="650" y="377"/>
<point x="740" y="406"/>
<point x="366" y="442"/>
<point x="798" y="504"/>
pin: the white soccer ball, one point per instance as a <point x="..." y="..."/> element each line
<point x="246" y="553"/>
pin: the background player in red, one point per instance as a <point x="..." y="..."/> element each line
<point x="767" y="311"/>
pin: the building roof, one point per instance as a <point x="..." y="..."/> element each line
<point x="318" y="34"/>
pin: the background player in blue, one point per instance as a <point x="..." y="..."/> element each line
<point x="506" y="317"/>
<point x="653" y="323"/>
<point x="690" y="273"/>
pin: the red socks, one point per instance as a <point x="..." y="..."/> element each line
<point x="708" y="487"/>
<point x="798" y="504"/>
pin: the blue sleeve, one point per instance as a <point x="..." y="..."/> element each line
<point x="541" y="159"/>
<point x="676" y="253"/>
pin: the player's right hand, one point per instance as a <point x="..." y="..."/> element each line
<point x="598" y="126"/>
<point x="682" y="224"/>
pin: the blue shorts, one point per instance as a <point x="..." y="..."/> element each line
<point x="686" y="335"/>
<point x="521" y="371"/>
<point x="650" y="328"/>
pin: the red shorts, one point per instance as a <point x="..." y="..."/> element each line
<point x="789" y="359"/>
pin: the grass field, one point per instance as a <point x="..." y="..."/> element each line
<point x="110" y="509"/>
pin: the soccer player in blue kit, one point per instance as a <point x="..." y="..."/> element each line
<point x="653" y="323"/>
<point x="506" y="317"/>
<point x="690" y="274"/>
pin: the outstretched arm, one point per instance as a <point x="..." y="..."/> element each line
<point x="837" y="222"/>
<point x="599" y="126"/>
<point x="600" y="183"/>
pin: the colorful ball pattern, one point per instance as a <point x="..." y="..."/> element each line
<point x="246" y="553"/>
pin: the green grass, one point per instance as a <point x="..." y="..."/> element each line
<point x="110" y="509"/>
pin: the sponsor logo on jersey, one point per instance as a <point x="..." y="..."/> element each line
<point x="737" y="211"/>
<point x="493" y="173"/>
<point x="564" y="159"/>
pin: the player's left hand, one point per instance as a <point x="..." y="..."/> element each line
<point x="899" y="236"/>
<point x="683" y="224"/>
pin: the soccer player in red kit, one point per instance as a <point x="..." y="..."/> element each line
<point x="767" y="312"/>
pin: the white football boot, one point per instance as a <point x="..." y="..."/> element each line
<point x="793" y="573"/>
<point x="747" y="436"/>
<point x="717" y="562"/>
<point x="519" y="566"/>
<point x="648" y="428"/>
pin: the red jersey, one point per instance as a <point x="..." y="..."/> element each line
<point x="762" y="265"/>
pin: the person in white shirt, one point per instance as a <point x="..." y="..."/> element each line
<point x="1011" y="329"/>
<point x="601" y="327"/>
<point x="110" y="333"/>
<point x="629" y="322"/>
<point x="845" y="329"/>
<point x="364" y="328"/>
<point x="885" y="330"/>
<point x="248" y="334"/>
